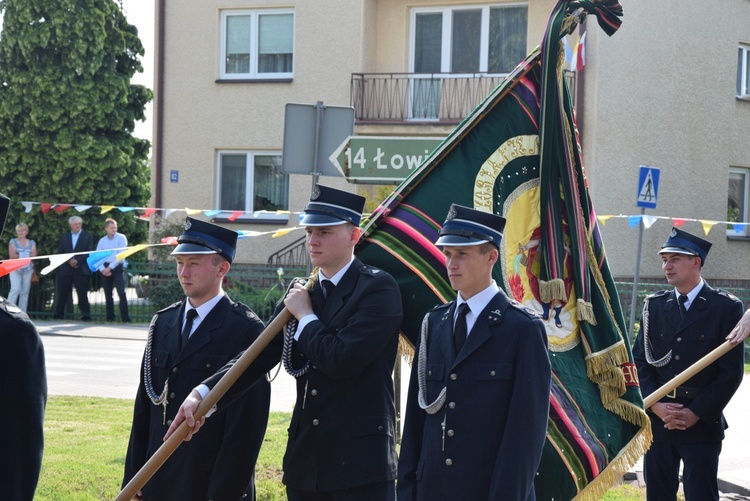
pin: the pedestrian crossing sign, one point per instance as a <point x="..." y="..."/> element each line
<point x="648" y="187"/>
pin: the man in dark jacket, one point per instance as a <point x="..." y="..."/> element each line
<point x="23" y="384"/>
<point x="188" y="342"/>
<point x="678" y="327"/>
<point x="476" y="416"/>
<point x="75" y="272"/>
<point x="341" y="442"/>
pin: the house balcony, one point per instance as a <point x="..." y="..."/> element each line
<point x="423" y="98"/>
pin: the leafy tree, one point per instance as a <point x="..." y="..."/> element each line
<point x="67" y="113"/>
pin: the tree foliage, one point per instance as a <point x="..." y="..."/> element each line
<point x="67" y="114"/>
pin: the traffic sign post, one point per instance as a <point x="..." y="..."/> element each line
<point x="381" y="159"/>
<point x="648" y="191"/>
<point x="311" y="133"/>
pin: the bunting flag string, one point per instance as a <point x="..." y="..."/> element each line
<point x="232" y="215"/>
<point x="96" y="257"/>
<point x="146" y="212"/>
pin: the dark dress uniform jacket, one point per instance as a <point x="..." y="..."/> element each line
<point x="495" y="412"/>
<point x="84" y="243"/>
<point x="342" y="432"/>
<point x="219" y="462"/>
<point x="707" y="322"/>
<point x="23" y="384"/>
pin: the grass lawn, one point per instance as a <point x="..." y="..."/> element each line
<point x="86" y="439"/>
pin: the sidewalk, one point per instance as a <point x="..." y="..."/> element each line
<point x="734" y="464"/>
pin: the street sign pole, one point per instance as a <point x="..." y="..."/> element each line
<point x="636" y="276"/>
<point x="318" y="118"/>
<point x="648" y="190"/>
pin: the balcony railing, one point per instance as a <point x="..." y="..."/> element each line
<point x="423" y="98"/>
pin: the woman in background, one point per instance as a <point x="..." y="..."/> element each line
<point x="20" y="279"/>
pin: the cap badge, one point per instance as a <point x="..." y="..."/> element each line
<point x="188" y="224"/>
<point x="451" y="213"/>
<point x="315" y="193"/>
<point x="673" y="233"/>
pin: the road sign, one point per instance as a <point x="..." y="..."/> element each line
<point x="311" y="133"/>
<point x="381" y="159"/>
<point x="648" y="187"/>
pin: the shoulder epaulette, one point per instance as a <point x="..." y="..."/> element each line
<point x="530" y="312"/>
<point x="440" y="307"/>
<point x="371" y="270"/>
<point x="727" y="295"/>
<point x="658" y="294"/>
<point x="245" y="311"/>
<point x="172" y="306"/>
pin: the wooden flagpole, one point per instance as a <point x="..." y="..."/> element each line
<point x="222" y="386"/>
<point x="691" y="371"/>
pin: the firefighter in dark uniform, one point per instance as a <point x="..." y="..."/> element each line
<point x="23" y="384"/>
<point x="188" y="342"/>
<point x="342" y="435"/>
<point x="678" y="327"/>
<point x="478" y="402"/>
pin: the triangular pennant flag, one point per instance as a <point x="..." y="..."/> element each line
<point x="235" y="215"/>
<point x="27" y="206"/>
<point x="98" y="258"/>
<point x="106" y="208"/>
<point x="148" y="211"/>
<point x="12" y="265"/>
<point x="82" y="208"/>
<point x="649" y="220"/>
<point x="131" y="250"/>
<point x="55" y="261"/>
<point x="633" y="221"/>
<point x="677" y="221"/>
<point x="707" y="225"/>
<point x="739" y="228"/>
<point x="603" y="219"/>
<point x="168" y="213"/>
<point x="211" y="213"/>
<point x="241" y="234"/>
<point x="192" y="212"/>
<point x="45" y="207"/>
<point x="126" y="209"/>
<point x="285" y="231"/>
<point x="169" y="240"/>
<point x="60" y="207"/>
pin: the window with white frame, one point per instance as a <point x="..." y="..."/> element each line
<point x="257" y="44"/>
<point x="469" y="39"/>
<point x="462" y="40"/>
<point x="737" y="201"/>
<point x="252" y="181"/>
<point x="743" y="71"/>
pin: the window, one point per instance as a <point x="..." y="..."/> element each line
<point x="253" y="181"/>
<point x="743" y="71"/>
<point x="461" y="40"/>
<point x="257" y="44"/>
<point x="737" y="202"/>
<point x="487" y="39"/>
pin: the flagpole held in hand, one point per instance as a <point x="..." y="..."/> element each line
<point x="691" y="371"/>
<point x="222" y="386"/>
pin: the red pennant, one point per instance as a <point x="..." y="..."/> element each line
<point x="235" y="214"/>
<point x="12" y="265"/>
<point x="45" y="207"/>
<point x="169" y="240"/>
<point x="60" y="207"/>
<point x="678" y="221"/>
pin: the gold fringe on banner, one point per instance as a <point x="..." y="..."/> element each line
<point x="550" y="290"/>
<point x="585" y="312"/>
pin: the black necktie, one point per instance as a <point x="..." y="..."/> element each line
<point x="459" y="330"/>
<point x="328" y="286"/>
<point x="191" y="314"/>
<point x="681" y="301"/>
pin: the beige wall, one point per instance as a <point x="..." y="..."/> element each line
<point x="661" y="92"/>
<point x="333" y="39"/>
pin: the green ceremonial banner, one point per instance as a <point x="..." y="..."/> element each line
<point x="518" y="155"/>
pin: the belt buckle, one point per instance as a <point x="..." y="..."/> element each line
<point x="672" y="394"/>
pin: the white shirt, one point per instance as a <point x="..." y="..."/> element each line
<point x="118" y="241"/>
<point x="691" y="295"/>
<point x="312" y="316"/>
<point x="202" y="310"/>
<point x="477" y="303"/>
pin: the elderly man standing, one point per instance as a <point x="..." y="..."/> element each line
<point x="75" y="272"/>
<point x="678" y="327"/>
